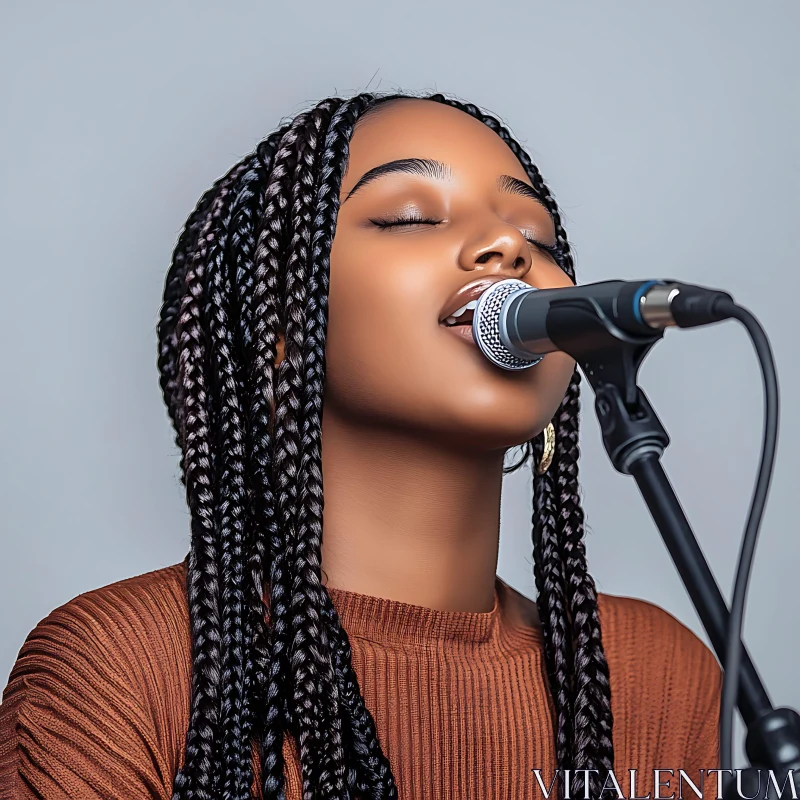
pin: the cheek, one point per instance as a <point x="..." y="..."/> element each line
<point x="380" y="310"/>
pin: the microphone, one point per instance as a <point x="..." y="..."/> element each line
<point x="510" y="323"/>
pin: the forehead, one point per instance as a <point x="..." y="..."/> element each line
<point x="415" y="128"/>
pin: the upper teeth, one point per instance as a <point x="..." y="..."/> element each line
<point x="472" y="305"/>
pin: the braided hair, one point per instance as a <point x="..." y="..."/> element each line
<point x="269" y="655"/>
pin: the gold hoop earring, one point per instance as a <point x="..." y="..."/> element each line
<point x="549" y="449"/>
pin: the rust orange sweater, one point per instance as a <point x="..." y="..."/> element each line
<point x="98" y="702"/>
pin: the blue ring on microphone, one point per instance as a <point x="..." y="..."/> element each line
<point x="637" y="299"/>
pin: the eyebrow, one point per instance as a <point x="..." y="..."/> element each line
<point x="430" y="168"/>
<point x="515" y="186"/>
<point x="426" y="167"/>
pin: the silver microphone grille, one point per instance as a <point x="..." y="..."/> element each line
<point x="486" y="325"/>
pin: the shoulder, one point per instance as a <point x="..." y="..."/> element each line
<point x="134" y="613"/>
<point x="656" y="662"/>
<point x="120" y="631"/>
<point x="635" y="629"/>
<point x="111" y="665"/>
<point x="131" y="604"/>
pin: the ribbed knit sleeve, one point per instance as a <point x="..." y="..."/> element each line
<point x="75" y="721"/>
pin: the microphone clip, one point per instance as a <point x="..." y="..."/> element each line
<point x="610" y="359"/>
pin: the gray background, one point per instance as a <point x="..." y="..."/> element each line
<point x="668" y="132"/>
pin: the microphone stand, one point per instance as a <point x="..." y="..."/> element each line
<point x="635" y="440"/>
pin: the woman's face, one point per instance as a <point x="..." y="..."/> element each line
<point x="391" y="362"/>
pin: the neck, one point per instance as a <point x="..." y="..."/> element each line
<point x="408" y="519"/>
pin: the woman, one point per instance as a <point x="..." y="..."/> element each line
<point x="384" y="658"/>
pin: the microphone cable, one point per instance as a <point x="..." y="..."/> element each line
<point x="733" y="654"/>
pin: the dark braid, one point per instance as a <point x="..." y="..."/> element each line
<point x="270" y="656"/>
<point x="251" y="201"/>
<point x="170" y="308"/>
<point x="236" y="766"/>
<point x="248" y="567"/>
<point x="307" y="640"/>
<point x="197" y="779"/>
<point x="257" y="436"/>
<point x="552" y="601"/>
<point x="249" y="563"/>
<point x="270" y="250"/>
<point x="371" y="776"/>
<point x="592" y="721"/>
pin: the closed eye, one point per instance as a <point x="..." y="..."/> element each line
<point x="392" y="222"/>
<point x="553" y="249"/>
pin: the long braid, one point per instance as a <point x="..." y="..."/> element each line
<point x="270" y="249"/>
<point x="306" y="555"/>
<point x="166" y="328"/>
<point x="274" y="606"/>
<point x="306" y="641"/>
<point x="593" y="718"/>
<point x="371" y="771"/>
<point x="285" y="443"/>
<point x="245" y="709"/>
<point x="552" y="604"/>
<point x="235" y="724"/>
<point x="196" y="778"/>
<point x="251" y="209"/>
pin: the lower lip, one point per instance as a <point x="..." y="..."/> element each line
<point x="464" y="332"/>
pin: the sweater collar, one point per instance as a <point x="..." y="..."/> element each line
<point x="383" y="621"/>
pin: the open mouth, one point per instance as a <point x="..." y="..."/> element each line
<point x="458" y="313"/>
<point x="460" y="322"/>
<point x="462" y="316"/>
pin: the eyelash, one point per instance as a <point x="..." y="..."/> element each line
<point x="393" y="222"/>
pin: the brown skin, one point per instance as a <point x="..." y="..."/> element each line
<point x="416" y="421"/>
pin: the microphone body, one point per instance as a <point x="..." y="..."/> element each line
<point x="511" y="326"/>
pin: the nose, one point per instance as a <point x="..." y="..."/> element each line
<point x="501" y="249"/>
